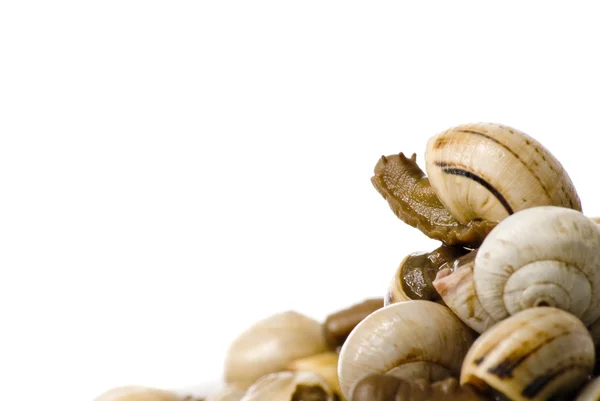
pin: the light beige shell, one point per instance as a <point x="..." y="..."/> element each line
<point x="544" y="255"/>
<point x="140" y="393"/>
<point x="412" y="339"/>
<point x="270" y="345"/>
<point x="531" y="356"/>
<point x="591" y="392"/>
<point x="487" y="171"/>
<point x="325" y="365"/>
<point x="282" y="386"/>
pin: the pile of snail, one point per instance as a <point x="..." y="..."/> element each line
<point x="506" y="308"/>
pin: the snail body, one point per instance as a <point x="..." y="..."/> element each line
<point x="536" y="354"/>
<point x="542" y="256"/>
<point x="413" y="339"/>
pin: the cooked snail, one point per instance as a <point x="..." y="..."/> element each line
<point x="270" y="345"/>
<point x="289" y="386"/>
<point x="533" y="355"/>
<point x="413" y="278"/>
<point x="412" y="339"/>
<point x="541" y="256"/>
<point x="477" y="175"/>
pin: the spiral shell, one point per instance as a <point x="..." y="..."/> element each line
<point x="412" y="339"/>
<point x="487" y="172"/>
<point x="536" y="354"/>
<point x="542" y="256"/>
<point x="270" y="345"/>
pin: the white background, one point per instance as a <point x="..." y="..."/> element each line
<point x="171" y="172"/>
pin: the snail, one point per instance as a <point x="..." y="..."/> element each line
<point x="416" y="272"/>
<point x="541" y="256"/>
<point x="477" y="175"/>
<point x="140" y="393"/>
<point x="289" y="386"/>
<point x="533" y="355"/>
<point x="591" y="391"/>
<point x="381" y="387"/>
<point x="270" y="345"/>
<point x="411" y="340"/>
<point x="325" y="365"/>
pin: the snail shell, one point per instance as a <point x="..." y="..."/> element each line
<point x="270" y="345"/>
<point x="591" y="392"/>
<point x="289" y="386"/>
<point x="410" y="340"/>
<point x="487" y="171"/>
<point x="542" y="256"/>
<point x="139" y="393"/>
<point x="416" y="272"/>
<point x="533" y="355"/>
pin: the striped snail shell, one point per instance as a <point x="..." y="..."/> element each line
<point x="534" y="355"/>
<point x="487" y="171"/>
<point x="541" y="256"/>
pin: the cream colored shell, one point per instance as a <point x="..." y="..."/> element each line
<point x="591" y="391"/>
<point x="270" y="345"/>
<point x="545" y="255"/>
<point x="412" y="339"/>
<point x="282" y="386"/>
<point x="488" y="171"/>
<point x="140" y="393"/>
<point x="531" y="355"/>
